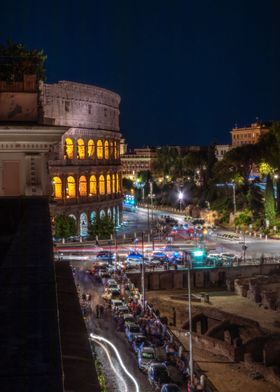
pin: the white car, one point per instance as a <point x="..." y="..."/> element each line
<point x="145" y="357"/>
<point x="116" y="303"/>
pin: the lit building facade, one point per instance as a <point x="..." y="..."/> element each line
<point x="62" y="141"/>
<point x="221" y="150"/>
<point x="248" y="135"/>
<point x="140" y="159"/>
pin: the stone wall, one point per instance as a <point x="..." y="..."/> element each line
<point x="79" y="105"/>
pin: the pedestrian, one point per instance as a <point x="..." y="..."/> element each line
<point x="97" y="311"/>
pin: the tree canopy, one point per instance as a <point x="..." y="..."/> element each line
<point x="65" y="226"/>
<point x="17" y="60"/>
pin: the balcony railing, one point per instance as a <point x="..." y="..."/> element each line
<point x="84" y="162"/>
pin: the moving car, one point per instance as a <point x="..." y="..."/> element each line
<point x="105" y="255"/>
<point x="128" y="319"/>
<point x="158" y="375"/>
<point x="131" y="330"/>
<point x="116" y="303"/>
<point x="146" y="356"/>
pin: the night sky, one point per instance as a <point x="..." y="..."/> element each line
<point x="187" y="71"/>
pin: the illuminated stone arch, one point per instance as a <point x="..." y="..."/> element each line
<point x="111" y="149"/>
<point x="81" y="151"/>
<point x="92" y="216"/>
<point x="106" y="150"/>
<point x="83" y="186"/>
<point x="92" y="186"/>
<point x="99" y="149"/>
<point x="91" y="148"/>
<point x="57" y="187"/>
<point x="114" y="214"/>
<point x="83" y="224"/>
<point x="113" y="183"/>
<point x="115" y="150"/>
<point x="68" y="148"/>
<point x="102" y="214"/>
<point x="71" y="187"/>
<point x="109" y="213"/>
<point x="73" y="216"/>
<point x="117" y="183"/>
<point x="108" y="184"/>
<point x="101" y="185"/>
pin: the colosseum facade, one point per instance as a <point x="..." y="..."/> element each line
<point x="85" y="171"/>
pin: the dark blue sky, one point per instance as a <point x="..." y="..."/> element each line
<point x="187" y="71"/>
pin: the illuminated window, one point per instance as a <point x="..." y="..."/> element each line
<point x="81" y="149"/>
<point x="83" y="186"/>
<point x="115" y="150"/>
<point x="106" y="149"/>
<point x="113" y="183"/>
<point x="90" y="150"/>
<point x="117" y="183"/>
<point x="99" y="149"/>
<point x="92" y="186"/>
<point x="71" y="187"/>
<point x="111" y="149"/>
<point x="69" y="148"/>
<point x="108" y="183"/>
<point x="101" y="185"/>
<point x="57" y="188"/>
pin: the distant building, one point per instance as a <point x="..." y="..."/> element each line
<point x="248" y="135"/>
<point x="139" y="159"/>
<point x="221" y="150"/>
<point x="62" y="140"/>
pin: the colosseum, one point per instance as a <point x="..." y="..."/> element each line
<point x="62" y="140"/>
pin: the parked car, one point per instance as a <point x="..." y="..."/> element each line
<point x="170" y="388"/>
<point x="105" y="255"/>
<point x="131" y="330"/>
<point x="140" y="341"/>
<point x="116" y="303"/>
<point x="146" y="356"/>
<point x="158" y="375"/>
<point x="128" y="319"/>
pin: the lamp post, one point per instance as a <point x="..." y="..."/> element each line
<point x="190" y="323"/>
<point x="180" y="197"/>
<point x="234" y="197"/>
<point x="143" y="274"/>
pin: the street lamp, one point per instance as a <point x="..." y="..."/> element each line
<point x="180" y="197"/>
<point x="190" y="323"/>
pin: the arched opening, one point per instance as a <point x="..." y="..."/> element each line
<point x="108" y="183"/>
<point x="68" y="148"/>
<point x="57" y="187"/>
<point x="83" y="186"/>
<point x="83" y="224"/>
<point x="101" y="185"/>
<point x="92" y="186"/>
<point x="92" y="216"/>
<point x="106" y="149"/>
<point x="115" y="150"/>
<point x="111" y="149"/>
<point x="99" y="147"/>
<point x="71" y="187"/>
<point x="118" y="216"/>
<point x="117" y="183"/>
<point x="114" y="215"/>
<point x="102" y="214"/>
<point x="81" y="149"/>
<point x="90" y="149"/>
<point x="113" y="183"/>
<point x="72" y="216"/>
<point x="109" y="214"/>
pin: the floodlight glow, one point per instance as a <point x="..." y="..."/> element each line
<point x="180" y="195"/>
<point x="97" y="337"/>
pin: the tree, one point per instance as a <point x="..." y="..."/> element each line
<point x="102" y="227"/>
<point x="65" y="226"/>
<point x="127" y="184"/>
<point x="17" y="60"/>
<point x="269" y="203"/>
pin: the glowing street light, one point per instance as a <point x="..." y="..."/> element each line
<point x="180" y="197"/>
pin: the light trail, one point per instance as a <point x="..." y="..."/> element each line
<point x="111" y="364"/>
<point x="97" y="337"/>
